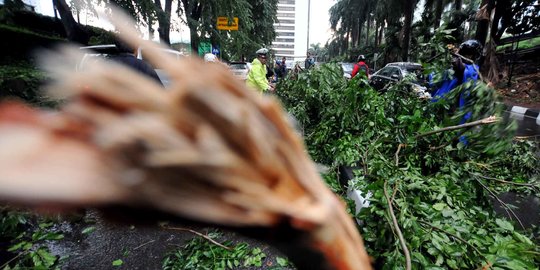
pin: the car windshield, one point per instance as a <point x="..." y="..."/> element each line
<point x="238" y="66"/>
<point x="417" y="71"/>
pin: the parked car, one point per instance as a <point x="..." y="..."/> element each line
<point x="240" y="69"/>
<point x="395" y="72"/>
<point x="347" y="69"/>
<point x="108" y="50"/>
<point x="163" y="76"/>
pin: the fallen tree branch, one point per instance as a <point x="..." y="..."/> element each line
<point x="485" y="121"/>
<point x="445" y="144"/>
<point x="397" y="153"/>
<point x="469" y="61"/>
<point x="398" y="230"/>
<point x="3" y="266"/>
<point x="506" y="182"/>
<point x="144" y="244"/>
<point x="505" y="206"/>
<point x="457" y="238"/>
<point x="199" y="234"/>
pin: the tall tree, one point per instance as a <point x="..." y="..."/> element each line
<point x="164" y="20"/>
<point x="74" y="31"/>
<point x="408" y="11"/>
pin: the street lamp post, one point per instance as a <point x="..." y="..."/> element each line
<point x="308" y="17"/>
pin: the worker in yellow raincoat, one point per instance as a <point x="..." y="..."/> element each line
<point x="256" y="78"/>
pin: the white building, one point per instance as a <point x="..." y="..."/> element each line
<point x="291" y="30"/>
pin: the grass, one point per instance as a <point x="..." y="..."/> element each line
<point x="524" y="44"/>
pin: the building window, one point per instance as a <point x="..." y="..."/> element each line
<point x="284" y="52"/>
<point x="283" y="46"/>
<point x="284" y="34"/>
<point x="286" y="21"/>
<point x="284" y="39"/>
<point x="287" y="2"/>
<point x="285" y="8"/>
<point x="282" y="27"/>
<point x="285" y="15"/>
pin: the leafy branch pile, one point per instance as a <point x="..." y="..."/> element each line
<point x="26" y="236"/>
<point x="440" y="190"/>
<point x="200" y="253"/>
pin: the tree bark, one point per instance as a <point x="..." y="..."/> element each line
<point x="355" y="32"/>
<point x="438" y="13"/>
<point x="193" y="10"/>
<point x="381" y="32"/>
<point x="458" y="4"/>
<point x="408" y="11"/>
<point x="376" y="43"/>
<point x="483" y="25"/>
<point x="502" y="9"/>
<point x="164" y="20"/>
<point x="367" y="29"/>
<point x="74" y="31"/>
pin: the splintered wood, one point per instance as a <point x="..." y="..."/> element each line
<point x="207" y="148"/>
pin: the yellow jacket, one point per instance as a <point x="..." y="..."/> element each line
<point x="257" y="76"/>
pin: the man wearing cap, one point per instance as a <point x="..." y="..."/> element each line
<point x="257" y="74"/>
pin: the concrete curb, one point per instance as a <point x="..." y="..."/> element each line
<point x="524" y="114"/>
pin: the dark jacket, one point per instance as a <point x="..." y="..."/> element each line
<point x="136" y="64"/>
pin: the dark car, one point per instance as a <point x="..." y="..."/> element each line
<point x="395" y="72"/>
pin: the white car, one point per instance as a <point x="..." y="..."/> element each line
<point x="104" y="51"/>
<point x="240" y="69"/>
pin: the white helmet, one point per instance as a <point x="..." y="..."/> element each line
<point x="262" y="51"/>
<point x="209" y="57"/>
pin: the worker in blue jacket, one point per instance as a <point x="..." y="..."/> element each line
<point x="464" y="71"/>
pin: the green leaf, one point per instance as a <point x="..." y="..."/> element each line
<point x="282" y="261"/>
<point x="88" y="230"/>
<point x="439" y="206"/>
<point x="47" y="258"/>
<point x="118" y="262"/>
<point x="504" y="224"/>
<point x="452" y="263"/>
<point x="522" y="238"/>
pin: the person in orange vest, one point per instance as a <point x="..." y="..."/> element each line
<point x="361" y="65"/>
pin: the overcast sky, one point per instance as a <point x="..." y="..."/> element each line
<point x="319" y="25"/>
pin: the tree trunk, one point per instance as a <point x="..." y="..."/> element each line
<point x="408" y="11"/>
<point x="193" y="10"/>
<point x="483" y="25"/>
<point x="502" y="8"/>
<point x="74" y="31"/>
<point x="367" y="29"/>
<point x="347" y="41"/>
<point x="360" y="29"/>
<point x="376" y="34"/>
<point x="381" y="34"/>
<point x="164" y="20"/>
<point x="458" y="4"/>
<point x="355" y="32"/>
<point x="438" y="14"/>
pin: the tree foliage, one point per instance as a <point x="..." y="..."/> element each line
<point x="440" y="189"/>
<point x="256" y="18"/>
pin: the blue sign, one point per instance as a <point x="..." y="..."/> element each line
<point x="215" y="49"/>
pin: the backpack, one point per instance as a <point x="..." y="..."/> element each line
<point x="363" y="67"/>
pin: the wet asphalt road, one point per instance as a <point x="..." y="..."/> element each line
<point x="527" y="125"/>
<point x="140" y="247"/>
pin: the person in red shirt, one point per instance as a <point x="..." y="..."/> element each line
<point x="361" y="65"/>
